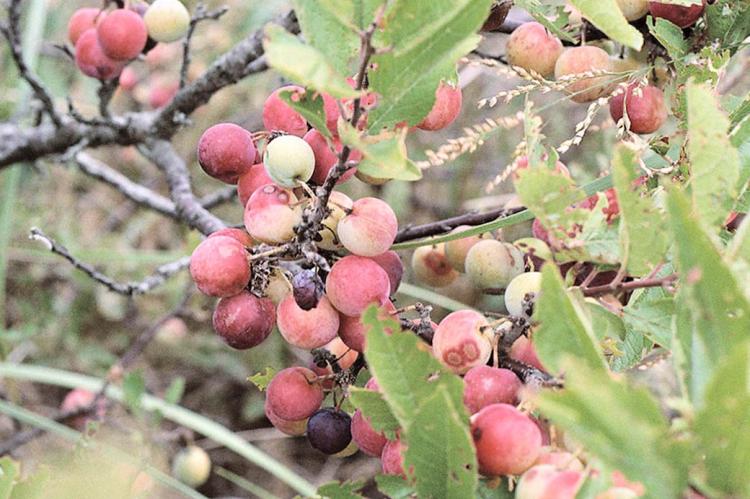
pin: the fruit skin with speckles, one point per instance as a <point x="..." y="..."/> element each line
<point x="219" y="266"/>
<point x="485" y="385"/>
<point x="226" y="151"/>
<point x="244" y="321"/>
<point x="271" y="214"/>
<point x="459" y="342"/>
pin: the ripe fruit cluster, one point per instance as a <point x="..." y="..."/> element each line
<point x="107" y="40"/>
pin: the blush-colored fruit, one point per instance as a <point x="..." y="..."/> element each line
<point x="523" y="350"/>
<point x="243" y="321"/>
<point x="368" y="440"/>
<point x="128" y="79"/>
<point x="485" y="385"/>
<point x="445" y="110"/>
<point x="459" y="342"/>
<point x="345" y="356"/>
<point x="584" y="60"/>
<point x="354" y="333"/>
<point x="369" y="229"/>
<point x="633" y="9"/>
<point x="167" y="20"/>
<point x="192" y="466"/>
<point x="278" y="116"/>
<point x="226" y="151"/>
<point x="239" y="234"/>
<point x="122" y="34"/>
<point x="356" y="282"/>
<point x="219" y="266"/>
<point x="643" y="105"/>
<point x="621" y="493"/>
<point x="533" y="48"/>
<point x="294" y="394"/>
<point x="522" y="293"/>
<point x="456" y="251"/>
<point x="678" y="14"/>
<point x="507" y="441"/>
<point x="392" y="458"/>
<point x="431" y="266"/>
<point x="82" y="20"/>
<point x="562" y="460"/>
<point x="77" y="399"/>
<point x="271" y="214"/>
<point x="250" y="181"/>
<point x="291" y="428"/>
<point x="289" y="160"/>
<point x="545" y="481"/>
<point x="393" y="266"/>
<point x="493" y="264"/>
<point x="307" y="329"/>
<point x="91" y="59"/>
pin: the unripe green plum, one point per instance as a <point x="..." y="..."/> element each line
<point x="585" y="59"/>
<point x="431" y="266"/>
<point x="644" y="106"/>
<point x="289" y="160"/>
<point x="369" y="229"/>
<point x="192" y="466"/>
<point x="533" y="48"/>
<point x="535" y="251"/>
<point x="459" y="342"/>
<point x="456" y="251"/>
<point x="219" y="266"/>
<point x="633" y="9"/>
<point x="271" y="214"/>
<point x="492" y="264"/>
<point x="678" y="14"/>
<point x="445" y="110"/>
<point x="545" y="481"/>
<point x="167" y="20"/>
<point x="337" y="203"/>
<point x="307" y="329"/>
<point x="522" y="292"/>
<point x="507" y="441"/>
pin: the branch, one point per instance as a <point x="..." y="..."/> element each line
<point x="159" y="277"/>
<point x="188" y="208"/>
<point x="219" y="197"/>
<point x="409" y="233"/>
<point x="529" y="374"/>
<point x="201" y="14"/>
<point x="616" y="287"/>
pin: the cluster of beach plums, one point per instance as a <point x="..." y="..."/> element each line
<point x="106" y="41"/>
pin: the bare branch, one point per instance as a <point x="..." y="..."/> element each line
<point x="188" y="208"/>
<point x="201" y="14"/>
<point x="219" y="197"/>
<point x="411" y="232"/>
<point x="159" y="277"/>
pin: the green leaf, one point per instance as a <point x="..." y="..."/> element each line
<point x="652" y="319"/>
<point x="176" y="389"/>
<point x="604" y="323"/>
<point x="631" y="351"/>
<point x="565" y="329"/>
<point x="642" y="239"/>
<point x="394" y="487"/>
<point x="375" y="408"/>
<point x="10" y="472"/>
<point x="553" y="17"/>
<point x="261" y="379"/>
<point x="723" y="438"/>
<point x="422" y="42"/>
<point x="383" y="156"/>
<point x="596" y="241"/>
<point x="714" y="162"/>
<point x="310" y="106"/>
<point x="303" y="64"/>
<point x="616" y="422"/>
<point x="440" y="448"/>
<point x="718" y="310"/>
<point x="329" y="30"/>
<point x="341" y="490"/>
<point x="607" y="17"/>
<point x="133" y="387"/>
<point x="669" y="36"/>
<point x="728" y="21"/>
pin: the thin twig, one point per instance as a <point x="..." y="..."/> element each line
<point x="201" y="14"/>
<point x="652" y="282"/>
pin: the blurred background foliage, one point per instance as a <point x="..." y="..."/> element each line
<point x="55" y="316"/>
